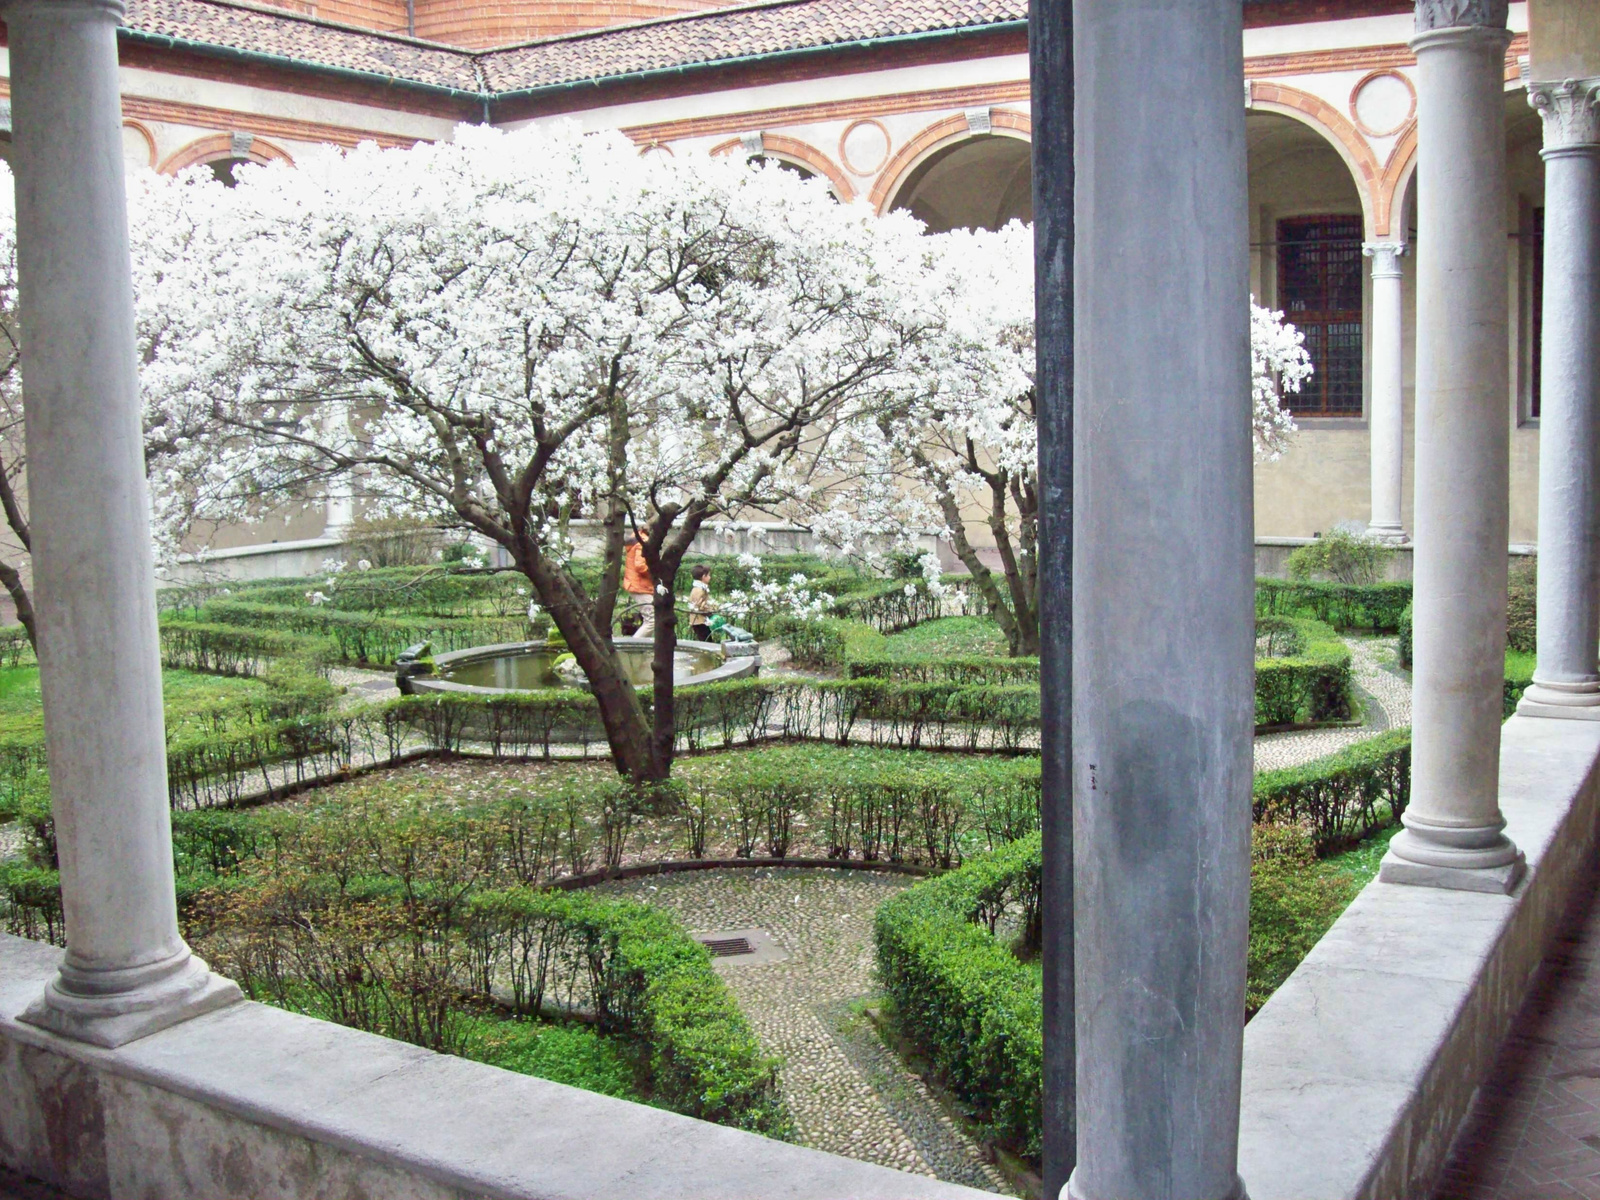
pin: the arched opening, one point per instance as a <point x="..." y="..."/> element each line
<point x="784" y="164"/>
<point x="223" y="169"/>
<point x="976" y="183"/>
<point x="1307" y="229"/>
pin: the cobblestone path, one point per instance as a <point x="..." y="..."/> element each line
<point x="1385" y="694"/>
<point x="848" y="1093"/>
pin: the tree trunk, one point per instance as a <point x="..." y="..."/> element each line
<point x="627" y="731"/>
<point x="664" y="714"/>
<point x="12" y="581"/>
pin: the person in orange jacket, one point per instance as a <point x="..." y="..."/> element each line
<point x="637" y="582"/>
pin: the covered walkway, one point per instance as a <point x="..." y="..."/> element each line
<point x="1534" y="1129"/>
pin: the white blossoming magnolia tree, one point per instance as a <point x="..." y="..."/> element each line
<point x="958" y="452"/>
<point x="510" y="331"/>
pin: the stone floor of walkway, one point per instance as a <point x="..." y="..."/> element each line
<point x="1534" y="1129"/>
<point x="848" y="1093"/>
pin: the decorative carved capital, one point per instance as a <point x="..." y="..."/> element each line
<point x="1452" y="14"/>
<point x="1385" y="258"/>
<point x="1571" y="112"/>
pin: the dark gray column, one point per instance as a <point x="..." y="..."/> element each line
<point x="1163" y="704"/>
<point x="126" y="972"/>
<point x="1453" y="835"/>
<point x="1050" y="67"/>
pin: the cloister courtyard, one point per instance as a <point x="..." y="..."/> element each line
<point x="567" y="640"/>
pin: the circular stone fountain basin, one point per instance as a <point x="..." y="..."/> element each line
<point x="527" y="666"/>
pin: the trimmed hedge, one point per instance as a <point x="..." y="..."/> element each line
<point x="890" y="606"/>
<point x="1342" y="798"/>
<point x="365" y="637"/>
<point x="967" y="1002"/>
<point x="1309" y="685"/>
<point x="651" y="984"/>
<point x="1375" y="607"/>
<point x="937" y="669"/>
<point x="220" y="649"/>
<point x="1405" y="638"/>
<point x="976" y="1009"/>
<point x="828" y="643"/>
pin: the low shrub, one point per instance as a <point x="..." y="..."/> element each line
<point x="1404" y="646"/>
<point x="220" y="649"/>
<point x="647" y="982"/>
<point x="392" y="924"/>
<point x="965" y="1000"/>
<point x="890" y="606"/>
<point x="828" y="643"/>
<point x="931" y="668"/>
<point x="1311" y="684"/>
<point x="15" y="648"/>
<point x="1342" y="798"/>
<point x="1292" y="904"/>
<point x="359" y="637"/>
<point x="1344" y="557"/>
<point x="975" y="1008"/>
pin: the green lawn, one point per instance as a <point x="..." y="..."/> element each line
<point x="1360" y="863"/>
<point x="953" y="637"/>
<point x="189" y="699"/>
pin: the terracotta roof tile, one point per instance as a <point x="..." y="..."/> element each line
<point x="303" y="40"/>
<point x="725" y="34"/>
<point x="695" y="39"/>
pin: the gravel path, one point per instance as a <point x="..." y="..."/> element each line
<point x="1385" y="693"/>
<point x="848" y="1093"/>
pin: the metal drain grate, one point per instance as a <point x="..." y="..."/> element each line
<point x="728" y="947"/>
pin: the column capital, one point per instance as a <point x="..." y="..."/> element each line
<point x="1570" y="111"/>
<point x="1385" y="258"/>
<point x="1454" y="14"/>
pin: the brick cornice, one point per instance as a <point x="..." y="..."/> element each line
<point x="261" y="124"/>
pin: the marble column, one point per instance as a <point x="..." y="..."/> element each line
<point x="1386" y="414"/>
<point x="1163" y="612"/>
<point x="127" y="972"/>
<point x="1566" y="682"/>
<point x="1453" y="828"/>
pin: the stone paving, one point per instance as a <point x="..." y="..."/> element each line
<point x="848" y="1093"/>
<point x="1534" y="1129"/>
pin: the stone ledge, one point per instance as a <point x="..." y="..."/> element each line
<point x="1359" y="1069"/>
<point x="253" y="1102"/>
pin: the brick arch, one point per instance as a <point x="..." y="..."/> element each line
<point x="1397" y="175"/>
<point x="1003" y="122"/>
<point x="802" y="154"/>
<point x="143" y="131"/>
<point x="1339" y="131"/>
<point x="219" y="146"/>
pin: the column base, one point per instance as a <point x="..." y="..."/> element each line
<point x="1569" y="701"/>
<point x="1462" y="860"/>
<point x="88" y="1006"/>
<point x="1497" y="881"/>
<point x="1392" y="535"/>
<point x="1070" y="1192"/>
